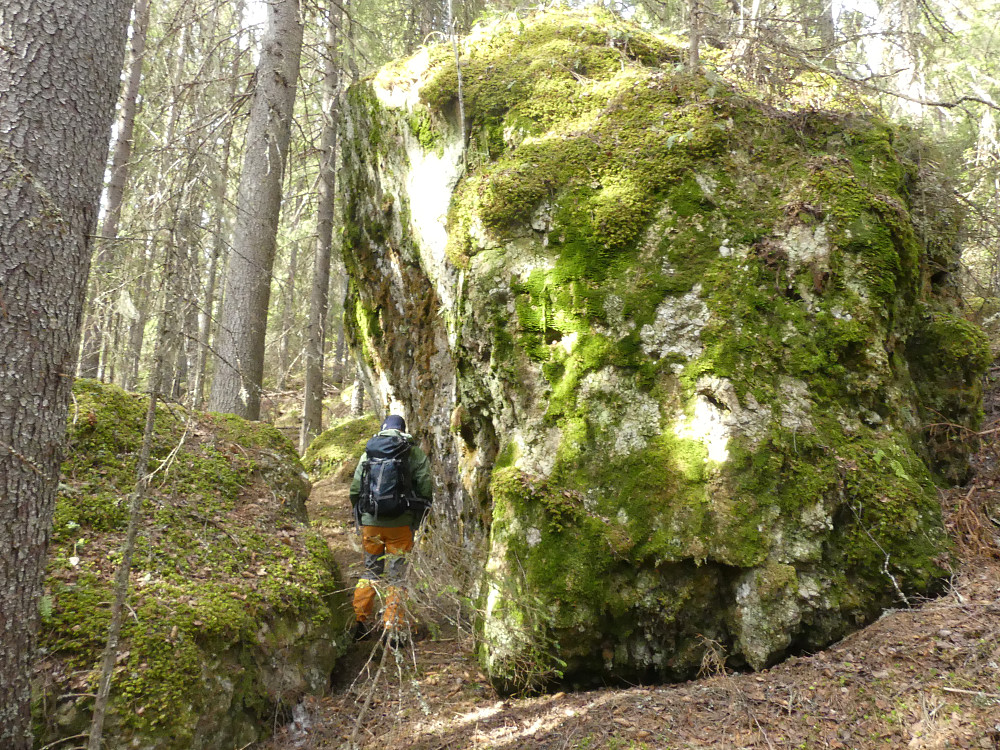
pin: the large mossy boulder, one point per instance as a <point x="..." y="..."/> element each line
<point x="336" y="451"/>
<point x="236" y="609"/>
<point x="682" y="351"/>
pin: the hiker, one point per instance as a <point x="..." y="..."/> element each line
<point x="391" y="493"/>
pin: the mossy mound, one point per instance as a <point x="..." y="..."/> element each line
<point x="703" y="347"/>
<point x="336" y="451"/>
<point x="236" y="607"/>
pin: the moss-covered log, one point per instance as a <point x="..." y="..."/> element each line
<point x="684" y="350"/>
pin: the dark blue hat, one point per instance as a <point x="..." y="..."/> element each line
<point x="394" y="422"/>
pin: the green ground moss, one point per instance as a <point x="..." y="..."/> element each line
<point x="220" y="553"/>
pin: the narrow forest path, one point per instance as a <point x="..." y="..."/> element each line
<point x="926" y="677"/>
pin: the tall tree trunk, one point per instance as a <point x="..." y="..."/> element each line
<point x="287" y="316"/>
<point x="147" y="261"/>
<point x="319" y="297"/>
<point x="219" y="243"/>
<point x="186" y="248"/>
<point x="96" y="326"/>
<point x="694" y="34"/>
<point x="337" y="374"/>
<point x="52" y="159"/>
<point x="137" y="328"/>
<point x="337" y="371"/>
<point x="239" y="366"/>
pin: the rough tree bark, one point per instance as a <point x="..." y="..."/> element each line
<point x="239" y="366"/>
<point x="60" y="64"/>
<point x="220" y="187"/>
<point x="319" y="297"/>
<point x="96" y="327"/>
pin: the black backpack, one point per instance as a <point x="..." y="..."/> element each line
<point x="385" y="477"/>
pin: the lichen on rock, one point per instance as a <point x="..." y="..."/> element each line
<point x="696" y="344"/>
<point x="236" y="608"/>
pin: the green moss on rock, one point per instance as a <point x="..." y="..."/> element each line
<point x="237" y="604"/>
<point x="336" y="451"/>
<point x="709" y="336"/>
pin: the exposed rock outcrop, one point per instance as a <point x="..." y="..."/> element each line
<point x="237" y="608"/>
<point x="676" y="349"/>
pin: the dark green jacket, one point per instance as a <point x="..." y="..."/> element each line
<point x="420" y="480"/>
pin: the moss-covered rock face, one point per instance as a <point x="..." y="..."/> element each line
<point x="335" y="453"/>
<point x="684" y="348"/>
<point x="235" y="610"/>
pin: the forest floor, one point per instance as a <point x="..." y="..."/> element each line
<point x="925" y="677"/>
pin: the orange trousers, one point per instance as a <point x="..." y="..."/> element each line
<point x="385" y="559"/>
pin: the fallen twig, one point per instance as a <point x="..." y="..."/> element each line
<point x="971" y="692"/>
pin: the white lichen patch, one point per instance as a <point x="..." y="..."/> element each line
<point x="677" y="327"/>
<point x="624" y="417"/>
<point x="707" y="184"/>
<point x="795" y="405"/>
<point x="816" y="518"/>
<point x="653" y="237"/>
<point x="614" y="310"/>
<point x="537" y="447"/>
<point x="807" y="246"/>
<point x="533" y="537"/>
<point x="541" y="219"/>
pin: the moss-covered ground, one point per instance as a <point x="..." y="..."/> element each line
<point x="226" y="575"/>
